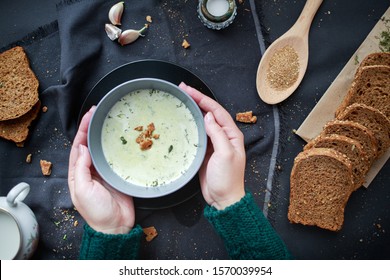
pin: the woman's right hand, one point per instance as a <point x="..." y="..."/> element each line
<point x="222" y="173"/>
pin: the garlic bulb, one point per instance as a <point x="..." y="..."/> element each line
<point x="115" y="13"/>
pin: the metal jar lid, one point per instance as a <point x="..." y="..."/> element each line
<point x="217" y="21"/>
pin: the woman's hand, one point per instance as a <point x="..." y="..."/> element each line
<point x="103" y="208"/>
<point x="222" y="172"/>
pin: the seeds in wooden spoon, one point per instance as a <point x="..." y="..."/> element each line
<point x="283" y="68"/>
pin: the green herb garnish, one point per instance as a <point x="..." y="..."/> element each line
<point x="384" y="43"/>
<point x="123" y="140"/>
<point x="356" y="60"/>
<point x="384" y="40"/>
<point x="180" y="105"/>
<point x="170" y="149"/>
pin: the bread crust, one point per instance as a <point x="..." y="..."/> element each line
<point x="378" y="58"/>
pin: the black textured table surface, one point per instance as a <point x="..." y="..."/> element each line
<point x="69" y="55"/>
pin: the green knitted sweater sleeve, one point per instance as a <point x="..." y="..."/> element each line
<point x="246" y="232"/>
<point x="99" y="246"/>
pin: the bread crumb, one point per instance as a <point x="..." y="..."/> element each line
<point x="149" y="19"/>
<point x="246" y="117"/>
<point x="185" y="44"/>
<point x="44" y="109"/>
<point x="150" y="233"/>
<point x="20" y="144"/>
<point x="46" y="167"/>
<point x="146" y="144"/>
<point x="28" y="158"/>
<point x="144" y="139"/>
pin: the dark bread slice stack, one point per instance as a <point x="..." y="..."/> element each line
<point x="371" y="118"/>
<point x="371" y="87"/>
<point x="368" y="99"/>
<point x="357" y="132"/>
<point x="19" y="99"/>
<point x="348" y="144"/>
<point x="321" y="182"/>
<point x="349" y="147"/>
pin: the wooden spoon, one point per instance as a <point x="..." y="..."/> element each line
<point x="297" y="38"/>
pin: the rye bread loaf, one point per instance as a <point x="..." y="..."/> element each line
<point x="357" y="132"/>
<point x="349" y="147"/>
<point x="371" y="118"/>
<point x="321" y="182"/>
<point x="371" y="87"/>
<point x="17" y="129"/>
<point x="18" y="84"/>
<point x="378" y="58"/>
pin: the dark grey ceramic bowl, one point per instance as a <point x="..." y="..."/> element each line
<point x="95" y="136"/>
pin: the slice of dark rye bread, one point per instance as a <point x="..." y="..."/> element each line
<point x="17" y="129"/>
<point x="371" y="86"/>
<point x="378" y="58"/>
<point x="18" y="84"/>
<point x="349" y="147"/>
<point x="371" y="118"/>
<point x="321" y="182"/>
<point x="357" y="132"/>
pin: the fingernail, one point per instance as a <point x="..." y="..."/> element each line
<point x="182" y="84"/>
<point x="208" y="117"/>
<point x="81" y="150"/>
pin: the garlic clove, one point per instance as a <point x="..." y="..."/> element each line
<point x="115" y="13"/>
<point x="130" y="35"/>
<point x="112" y="31"/>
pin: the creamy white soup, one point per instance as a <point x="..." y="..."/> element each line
<point x="174" y="137"/>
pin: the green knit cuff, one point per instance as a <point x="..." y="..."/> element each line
<point x="247" y="234"/>
<point x="100" y="246"/>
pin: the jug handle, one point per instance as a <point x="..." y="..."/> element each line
<point x="18" y="193"/>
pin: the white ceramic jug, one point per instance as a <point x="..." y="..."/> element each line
<point x="18" y="225"/>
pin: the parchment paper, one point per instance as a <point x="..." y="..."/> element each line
<point x="325" y="109"/>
